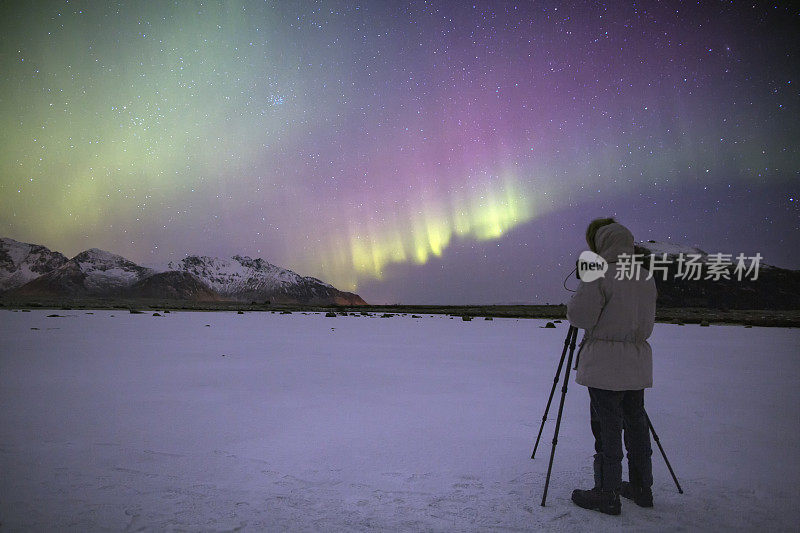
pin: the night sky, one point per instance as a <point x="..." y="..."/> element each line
<point x="414" y="152"/>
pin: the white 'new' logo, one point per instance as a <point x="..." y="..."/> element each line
<point x="591" y="266"/>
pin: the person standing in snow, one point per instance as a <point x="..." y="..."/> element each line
<point x="616" y="364"/>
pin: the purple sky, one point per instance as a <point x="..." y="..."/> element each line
<point x="414" y="152"/>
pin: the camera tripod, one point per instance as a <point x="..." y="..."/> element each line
<point x="569" y="345"/>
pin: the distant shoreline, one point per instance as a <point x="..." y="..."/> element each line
<point x="751" y="317"/>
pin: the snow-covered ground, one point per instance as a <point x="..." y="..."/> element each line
<point x="306" y="423"/>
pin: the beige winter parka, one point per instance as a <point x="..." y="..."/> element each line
<point x="618" y="316"/>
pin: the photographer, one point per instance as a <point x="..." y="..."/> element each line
<point x="616" y="365"/>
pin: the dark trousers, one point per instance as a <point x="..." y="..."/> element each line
<point x="613" y="412"/>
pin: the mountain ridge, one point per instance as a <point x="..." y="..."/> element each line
<point x="774" y="288"/>
<point x="21" y="262"/>
<point x="30" y="271"/>
<point x="96" y="273"/>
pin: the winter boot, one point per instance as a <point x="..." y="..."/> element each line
<point x="605" y="501"/>
<point x="641" y="496"/>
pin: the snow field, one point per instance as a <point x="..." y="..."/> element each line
<point x="310" y="423"/>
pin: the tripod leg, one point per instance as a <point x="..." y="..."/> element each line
<point x="553" y="390"/>
<point x="669" y="466"/>
<point x="560" y="411"/>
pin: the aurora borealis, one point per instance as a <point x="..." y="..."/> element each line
<point x="405" y="150"/>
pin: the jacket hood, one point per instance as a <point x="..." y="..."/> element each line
<point x="613" y="240"/>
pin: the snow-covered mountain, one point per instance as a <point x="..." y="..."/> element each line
<point x="28" y="271"/>
<point x="21" y="262"/>
<point x="91" y="273"/>
<point x="671" y="249"/>
<point x="247" y="279"/>
<point x="674" y="250"/>
<point x="173" y="285"/>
